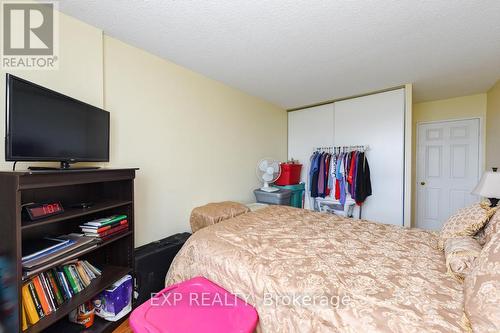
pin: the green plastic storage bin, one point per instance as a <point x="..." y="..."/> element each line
<point x="297" y="193"/>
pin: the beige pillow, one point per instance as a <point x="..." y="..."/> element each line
<point x="460" y="254"/>
<point x="466" y="222"/>
<point x="484" y="235"/>
<point x="215" y="212"/>
<point x="482" y="290"/>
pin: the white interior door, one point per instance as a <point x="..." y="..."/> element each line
<point x="448" y="165"/>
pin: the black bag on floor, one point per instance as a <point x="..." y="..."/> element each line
<point x="152" y="262"/>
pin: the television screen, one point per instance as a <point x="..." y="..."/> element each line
<point x="43" y="125"/>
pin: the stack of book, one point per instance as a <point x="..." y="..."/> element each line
<point x="106" y="228"/>
<point x="47" y="291"/>
<point x="38" y="253"/>
<point x="40" y="247"/>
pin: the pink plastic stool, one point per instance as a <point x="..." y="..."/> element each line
<point x="194" y="306"/>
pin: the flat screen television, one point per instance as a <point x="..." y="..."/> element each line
<point x="44" y="125"/>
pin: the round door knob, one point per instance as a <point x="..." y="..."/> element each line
<point x="422" y="183"/>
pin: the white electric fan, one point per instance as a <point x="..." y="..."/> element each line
<point x="268" y="170"/>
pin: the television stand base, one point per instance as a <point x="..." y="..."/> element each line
<point x="64" y="166"/>
<point x="34" y="168"/>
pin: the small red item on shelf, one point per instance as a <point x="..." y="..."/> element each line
<point x="290" y="174"/>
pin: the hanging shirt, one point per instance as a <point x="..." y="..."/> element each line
<point x="350" y="176"/>
<point x="315" y="174"/>
<point x="321" y="176"/>
<point x="354" y="175"/>
<point x="363" y="181"/>
<point x="327" y="174"/>
<point x="331" y="175"/>
<point x="352" y="161"/>
<point x="341" y="176"/>
<point x="338" y="176"/>
<point x="311" y="169"/>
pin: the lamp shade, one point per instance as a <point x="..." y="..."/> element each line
<point x="489" y="185"/>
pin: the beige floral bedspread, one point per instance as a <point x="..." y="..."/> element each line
<point x="312" y="272"/>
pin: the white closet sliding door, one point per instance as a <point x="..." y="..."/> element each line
<point x="378" y="121"/>
<point x="307" y="129"/>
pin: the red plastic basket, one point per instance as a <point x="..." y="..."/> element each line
<point x="290" y="174"/>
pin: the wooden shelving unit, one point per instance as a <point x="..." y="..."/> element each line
<point x="72" y="213"/>
<point x="109" y="275"/>
<point x="110" y="190"/>
<point x="100" y="325"/>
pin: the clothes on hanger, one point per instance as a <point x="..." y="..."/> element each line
<point x="363" y="185"/>
<point x="340" y="175"/>
<point x="314" y="173"/>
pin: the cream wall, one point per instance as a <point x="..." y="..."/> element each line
<point x="194" y="139"/>
<point x="493" y="127"/>
<point x="79" y="74"/>
<point x="473" y="106"/>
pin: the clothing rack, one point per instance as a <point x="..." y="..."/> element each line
<point x="347" y="149"/>
<point x="341" y="149"/>
<point x="327" y="149"/>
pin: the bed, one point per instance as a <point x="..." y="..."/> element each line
<point x="312" y="272"/>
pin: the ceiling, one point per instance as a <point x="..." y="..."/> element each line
<point x="300" y="52"/>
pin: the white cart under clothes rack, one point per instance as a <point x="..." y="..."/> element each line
<point x="332" y="206"/>
<point x="329" y="204"/>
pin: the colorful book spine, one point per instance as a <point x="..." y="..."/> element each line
<point x="29" y="305"/>
<point x="24" y="321"/>
<point x="65" y="285"/>
<point x="96" y="230"/>
<point x="93" y="268"/>
<point x="48" y="292"/>
<point x="87" y="270"/>
<point x="55" y="287"/>
<point x="106" y="221"/>
<point x="113" y="230"/>
<point x="83" y="275"/>
<point x="42" y="295"/>
<point x="105" y="238"/>
<point x="36" y="300"/>
<point x="71" y="281"/>
<point x="76" y="277"/>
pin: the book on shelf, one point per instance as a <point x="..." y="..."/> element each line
<point x="71" y="281"/>
<point x="56" y="289"/>
<point x="41" y="292"/>
<point x="112" y="231"/>
<point x="40" y="247"/>
<point x="36" y="300"/>
<point x="24" y="320"/>
<point x="107" y="228"/>
<point x="105" y="238"/>
<point x="65" y="289"/>
<point x="105" y="221"/>
<point x="29" y="306"/>
<point x="91" y="231"/>
<point x="83" y="274"/>
<point x="77" y="278"/>
<point x="47" y="291"/>
<point x="73" y="242"/>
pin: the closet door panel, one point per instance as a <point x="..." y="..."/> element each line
<point x="307" y="129"/>
<point x="378" y="121"/>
